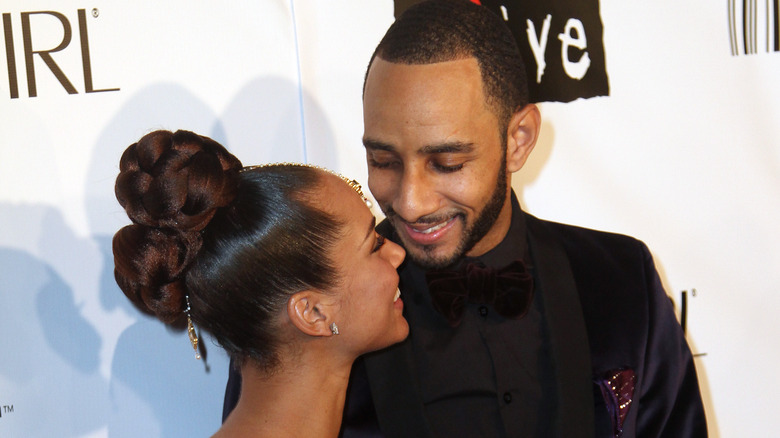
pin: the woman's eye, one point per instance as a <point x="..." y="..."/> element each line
<point x="380" y="240"/>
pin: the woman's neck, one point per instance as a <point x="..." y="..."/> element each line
<point x="301" y="400"/>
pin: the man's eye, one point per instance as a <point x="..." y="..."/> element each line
<point x="447" y="169"/>
<point x="380" y="240"/>
<point x="380" y="164"/>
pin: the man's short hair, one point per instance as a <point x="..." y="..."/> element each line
<point x="447" y="30"/>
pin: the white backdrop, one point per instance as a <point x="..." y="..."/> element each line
<point x="684" y="154"/>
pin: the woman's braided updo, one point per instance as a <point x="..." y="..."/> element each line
<point x="237" y="243"/>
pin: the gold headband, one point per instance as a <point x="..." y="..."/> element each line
<point x="350" y="182"/>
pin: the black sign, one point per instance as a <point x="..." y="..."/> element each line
<point x="562" y="44"/>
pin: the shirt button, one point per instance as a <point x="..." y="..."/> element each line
<point x="483" y="311"/>
<point x="507" y="397"/>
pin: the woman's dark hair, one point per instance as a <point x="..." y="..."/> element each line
<point x="447" y="30"/>
<point x="237" y="242"/>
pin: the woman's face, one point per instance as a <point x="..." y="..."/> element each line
<point x="369" y="314"/>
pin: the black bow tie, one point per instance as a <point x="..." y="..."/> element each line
<point x="509" y="289"/>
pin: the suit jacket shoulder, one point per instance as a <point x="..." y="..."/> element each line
<point x="631" y="324"/>
<point x="617" y="284"/>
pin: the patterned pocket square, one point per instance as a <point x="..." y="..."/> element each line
<point x="617" y="387"/>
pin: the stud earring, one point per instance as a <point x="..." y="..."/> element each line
<point x="191" y="329"/>
<point x="334" y="328"/>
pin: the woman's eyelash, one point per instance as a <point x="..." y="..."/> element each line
<point x="380" y="240"/>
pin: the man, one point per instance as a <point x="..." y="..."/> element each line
<point x="447" y="121"/>
<point x="577" y="338"/>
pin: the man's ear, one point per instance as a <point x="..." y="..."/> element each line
<point x="521" y="136"/>
<point x="308" y="311"/>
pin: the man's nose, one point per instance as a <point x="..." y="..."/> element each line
<point x="416" y="196"/>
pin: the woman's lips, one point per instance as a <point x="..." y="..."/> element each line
<point x="398" y="303"/>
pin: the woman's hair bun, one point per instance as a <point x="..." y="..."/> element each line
<point x="176" y="180"/>
<point x="149" y="266"/>
<point x="170" y="185"/>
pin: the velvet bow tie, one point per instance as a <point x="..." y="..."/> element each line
<point x="509" y="289"/>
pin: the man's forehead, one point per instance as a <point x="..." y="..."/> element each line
<point x="412" y="94"/>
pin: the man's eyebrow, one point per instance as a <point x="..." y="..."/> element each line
<point x="455" y="147"/>
<point x="369" y="143"/>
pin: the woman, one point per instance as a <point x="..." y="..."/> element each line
<point x="280" y="263"/>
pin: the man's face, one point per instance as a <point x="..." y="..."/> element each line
<point x="436" y="163"/>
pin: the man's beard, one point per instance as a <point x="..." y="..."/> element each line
<point x="471" y="236"/>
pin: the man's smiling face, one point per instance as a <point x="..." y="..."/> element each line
<point x="436" y="163"/>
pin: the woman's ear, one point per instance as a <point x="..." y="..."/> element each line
<point x="309" y="311"/>
<point x="522" y="133"/>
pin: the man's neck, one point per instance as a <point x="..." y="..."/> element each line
<point x="513" y="245"/>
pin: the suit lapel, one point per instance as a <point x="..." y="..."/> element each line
<point x="554" y="282"/>
<point x="399" y="407"/>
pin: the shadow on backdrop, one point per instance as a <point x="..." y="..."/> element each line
<point x="53" y="381"/>
<point x="263" y="122"/>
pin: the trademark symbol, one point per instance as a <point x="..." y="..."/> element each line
<point x="7" y="409"/>
<point x="95" y="12"/>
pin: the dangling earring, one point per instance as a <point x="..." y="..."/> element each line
<point x="191" y="329"/>
<point x="334" y="328"/>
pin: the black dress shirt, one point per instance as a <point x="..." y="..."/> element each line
<point x="490" y="376"/>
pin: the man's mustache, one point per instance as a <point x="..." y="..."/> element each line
<point x="430" y="219"/>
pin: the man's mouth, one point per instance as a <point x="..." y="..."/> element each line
<point x="397" y="294"/>
<point x="426" y="234"/>
<point x="433" y="228"/>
